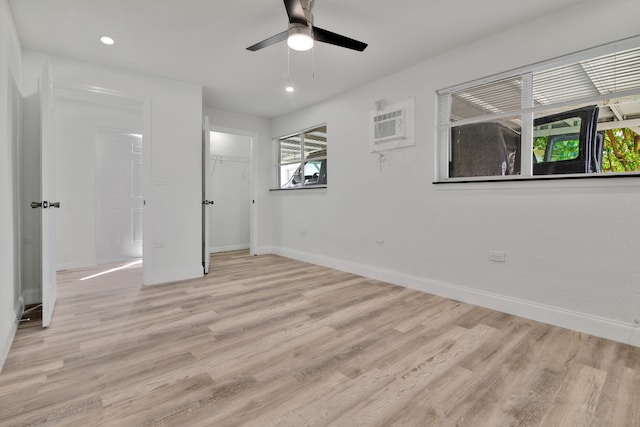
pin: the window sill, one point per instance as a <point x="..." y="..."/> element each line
<point x="315" y="187"/>
<point x="514" y="178"/>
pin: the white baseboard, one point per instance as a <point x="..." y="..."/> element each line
<point x="217" y="249"/>
<point x="627" y="333"/>
<point x="175" y="275"/>
<point x="7" y="335"/>
<point x="5" y="343"/>
<point x="72" y="265"/>
<point x="263" y="250"/>
<point x="19" y="308"/>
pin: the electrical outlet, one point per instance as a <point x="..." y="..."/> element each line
<point x="497" y="256"/>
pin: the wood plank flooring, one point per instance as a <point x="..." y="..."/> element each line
<point x="268" y="341"/>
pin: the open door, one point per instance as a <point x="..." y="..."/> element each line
<point x="48" y="203"/>
<point x="206" y="194"/>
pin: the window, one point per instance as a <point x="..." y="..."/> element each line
<point x="303" y="159"/>
<point x="576" y="115"/>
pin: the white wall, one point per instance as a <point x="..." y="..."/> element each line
<point x="173" y="181"/>
<point x="571" y="246"/>
<point x="262" y="163"/>
<point x="10" y="68"/>
<point x="77" y="124"/>
<point x="230" y="178"/>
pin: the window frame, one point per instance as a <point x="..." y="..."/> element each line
<point x="443" y="128"/>
<point x="302" y="161"/>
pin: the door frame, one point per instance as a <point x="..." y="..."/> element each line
<point x="119" y="99"/>
<point x="253" y="207"/>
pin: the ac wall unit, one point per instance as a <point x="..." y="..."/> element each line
<point x="388" y="126"/>
<point x="392" y="127"/>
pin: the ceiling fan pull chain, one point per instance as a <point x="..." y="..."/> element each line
<point x="313" y="63"/>
<point x="288" y="64"/>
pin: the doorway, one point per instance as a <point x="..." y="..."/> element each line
<point x="99" y="160"/>
<point x="119" y="199"/>
<point x="229" y="177"/>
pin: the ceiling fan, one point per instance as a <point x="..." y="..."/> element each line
<point x="302" y="33"/>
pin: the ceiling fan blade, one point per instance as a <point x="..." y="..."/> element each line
<point x="336" y="39"/>
<point x="295" y="12"/>
<point x="280" y="37"/>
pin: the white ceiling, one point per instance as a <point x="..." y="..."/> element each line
<point x="204" y="41"/>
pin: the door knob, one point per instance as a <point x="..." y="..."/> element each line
<point x="45" y="204"/>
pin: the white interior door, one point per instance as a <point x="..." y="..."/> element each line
<point x="207" y="199"/>
<point x="119" y="198"/>
<point x="48" y="199"/>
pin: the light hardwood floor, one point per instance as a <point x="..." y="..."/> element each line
<point x="265" y="341"/>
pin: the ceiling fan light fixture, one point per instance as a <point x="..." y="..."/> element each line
<point x="300" y="37"/>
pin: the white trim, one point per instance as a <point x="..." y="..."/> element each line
<point x="100" y="96"/>
<point x="176" y="275"/>
<point x="230" y="248"/>
<point x="72" y="265"/>
<point x="263" y="250"/>
<point x="147" y="191"/>
<point x="5" y="342"/>
<point x="627" y="333"/>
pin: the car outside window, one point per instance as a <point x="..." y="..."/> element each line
<point x="303" y="159"/>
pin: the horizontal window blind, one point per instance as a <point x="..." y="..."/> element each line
<point x="607" y="75"/>
<point x="590" y="80"/>
<point x="498" y="97"/>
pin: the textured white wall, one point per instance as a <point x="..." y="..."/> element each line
<point x="571" y="249"/>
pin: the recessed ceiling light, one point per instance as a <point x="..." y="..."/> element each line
<point x="289" y="88"/>
<point x="106" y="40"/>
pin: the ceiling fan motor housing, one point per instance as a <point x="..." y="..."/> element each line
<point x="307" y="5"/>
<point x="296" y="28"/>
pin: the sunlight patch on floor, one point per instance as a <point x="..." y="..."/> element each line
<point x="112" y="270"/>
